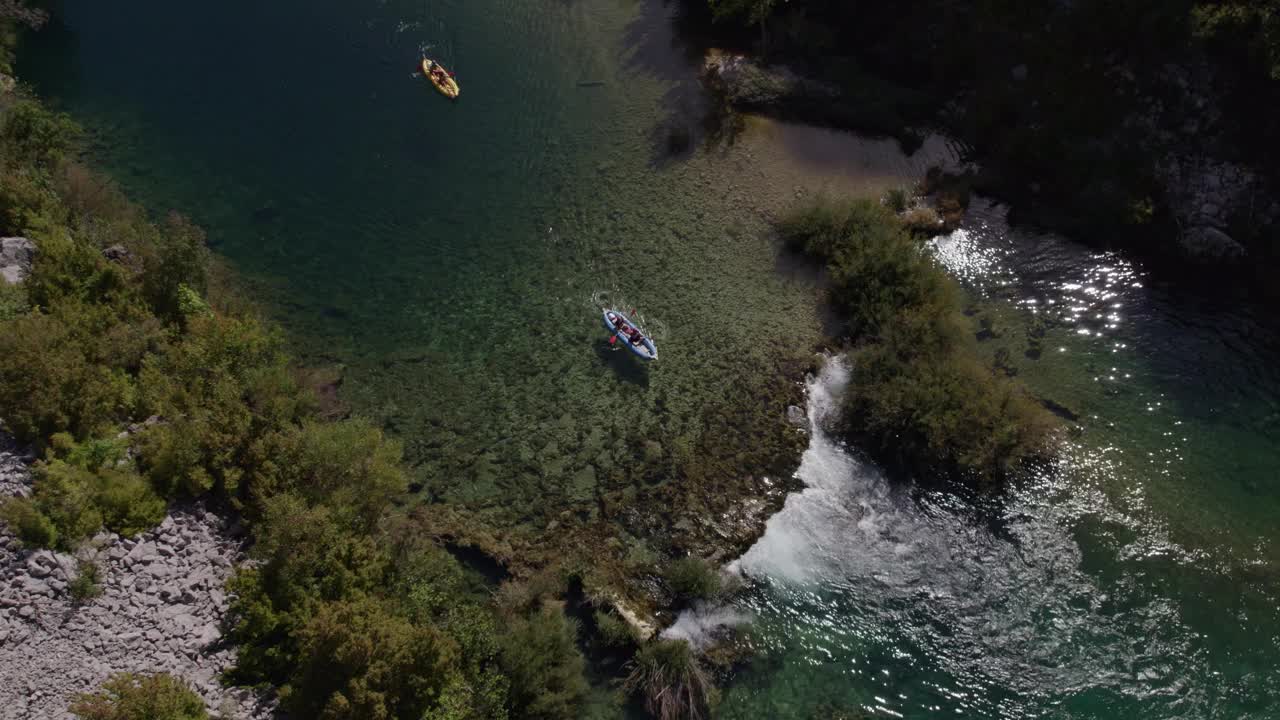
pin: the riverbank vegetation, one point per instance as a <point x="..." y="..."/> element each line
<point x="140" y="383"/>
<point x="140" y="697"/>
<point x="919" y="397"/>
<point x="1122" y="123"/>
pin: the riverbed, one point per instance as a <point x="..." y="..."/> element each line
<point x="451" y="259"/>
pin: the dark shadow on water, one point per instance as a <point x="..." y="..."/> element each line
<point x="623" y="362"/>
<point x="666" y="42"/>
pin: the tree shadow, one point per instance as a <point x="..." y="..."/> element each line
<point x="667" y="41"/>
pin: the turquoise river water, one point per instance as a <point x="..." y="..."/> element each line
<point x="452" y="257"/>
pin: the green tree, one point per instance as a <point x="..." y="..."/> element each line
<point x="178" y="259"/>
<point x="540" y="658"/>
<point x="221" y="385"/>
<point x="692" y="578"/>
<point x="37" y="137"/>
<point x="920" y="396"/>
<point x="349" y="465"/>
<point x="307" y="558"/>
<point x="127" y="696"/>
<point x="53" y="378"/>
<point x="359" y="660"/>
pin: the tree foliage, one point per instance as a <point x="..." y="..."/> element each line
<point x="360" y="660"/>
<point x="1252" y="26"/>
<point x="541" y="660"/>
<point x="119" y="328"/>
<point x="80" y="488"/>
<point x="918" y="395"/>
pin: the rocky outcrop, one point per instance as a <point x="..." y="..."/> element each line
<point x="1208" y="197"/>
<point x="16" y="256"/>
<point x="14" y="476"/>
<point x="750" y="85"/>
<point x="160" y="610"/>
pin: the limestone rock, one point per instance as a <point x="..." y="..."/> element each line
<point x="116" y="253"/>
<point x="1211" y="243"/>
<point x="16" y="256"/>
<point x="160" y="610"/>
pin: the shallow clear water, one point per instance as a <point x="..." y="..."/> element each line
<point x="451" y="257"/>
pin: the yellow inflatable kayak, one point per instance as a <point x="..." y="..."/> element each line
<point x="441" y="78"/>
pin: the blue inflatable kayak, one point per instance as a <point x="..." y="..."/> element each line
<point x="616" y="322"/>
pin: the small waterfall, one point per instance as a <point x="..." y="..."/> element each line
<point x="780" y="550"/>
<point x="786" y="550"/>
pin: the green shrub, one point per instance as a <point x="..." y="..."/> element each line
<point x="348" y="465"/>
<point x="669" y="677"/>
<point x="86" y="584"/>
<point x="29" y="524"/>
<point x="540" y="658"/>
<point x="128" y="504"/>
<point x="66" y="495"/>
<point x="179" y="260"/>
<point x="946" y="413"/>
<point x="692" y="578"/>
<point x="141" y="697"/>
<point x="919" y="396"/>
<point x="307" y="557"/>
<point x="221" y="386"/>
<point x="876" y="268"/>
<point x="53" y="380"/>
<point x="358" y="659"/>
<point x="613" y="630"/>
<point x="897" y="199"/>
<point x="82" y="487"/>
<point x="13" y="301"/>
<point x="34" y="136"/>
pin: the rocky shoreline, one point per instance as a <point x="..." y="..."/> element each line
<point x="160" y="609"/>
<point x="1209" y="198"/>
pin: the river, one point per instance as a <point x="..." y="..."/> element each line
<point x="451" y="259"/>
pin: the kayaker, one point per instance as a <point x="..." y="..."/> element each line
<point x="636" y="337"/>
<point x="618" y="322"/>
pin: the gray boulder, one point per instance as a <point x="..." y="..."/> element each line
<point x="116" y="253"/>
<point x="16" y="256"/>
<point x="1210" y="243"/>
